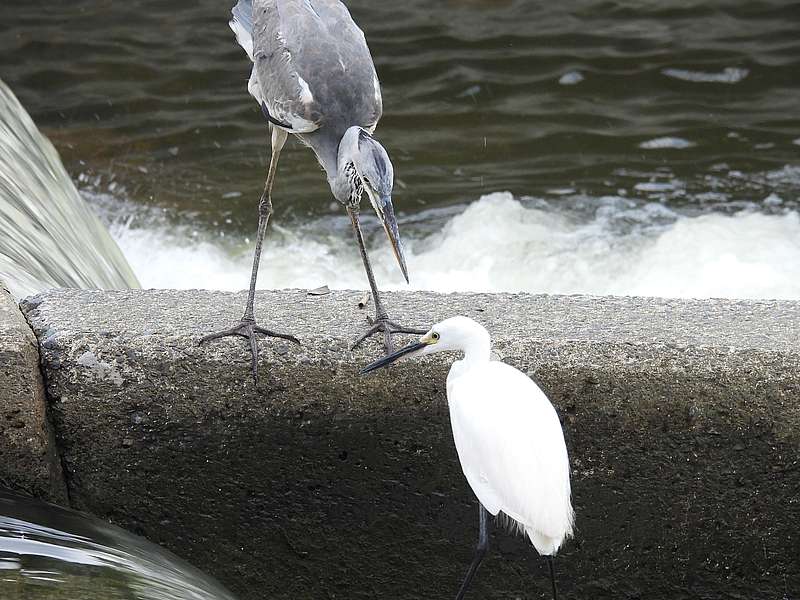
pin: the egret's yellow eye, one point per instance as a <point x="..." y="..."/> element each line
<point x="435" y="336"/>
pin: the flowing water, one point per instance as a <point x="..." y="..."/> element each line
<point x="50" y="553"/>
<point x="49" y="237"/>
<point x="597" y="146"/>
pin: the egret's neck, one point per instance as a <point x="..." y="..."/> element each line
<point x="477" y="347"/>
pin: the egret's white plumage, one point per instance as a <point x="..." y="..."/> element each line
<point x="508" y="437"/>
<point x="511" y="448"/>
<point x="507" y="434"/>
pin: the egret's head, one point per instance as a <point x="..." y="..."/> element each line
<point x="364" y="166"/>
<point x="456" y="334"/>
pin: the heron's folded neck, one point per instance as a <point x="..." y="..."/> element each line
<point x="325" y="145"/>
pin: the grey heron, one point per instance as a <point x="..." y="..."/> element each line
<point x="508" y="437"/>
<point x="313" y="77"/>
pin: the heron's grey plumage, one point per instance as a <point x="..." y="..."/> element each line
<point x="312" y="67"/>
<point x="313" y="77"/>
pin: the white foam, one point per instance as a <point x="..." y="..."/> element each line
<point x="666" y="142"/>
<point x="500" y="244"/>
<point x="747" y="255"/>
<point x="571" y="78"/>
<point x="655" y="186"/>
<point x="727" y="75"/>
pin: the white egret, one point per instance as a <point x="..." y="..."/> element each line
<point x="508" y="438"/>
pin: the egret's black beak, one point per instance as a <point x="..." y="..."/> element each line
<point x="387" y="360"/>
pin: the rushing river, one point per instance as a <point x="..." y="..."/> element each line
<point x="584" y="146"/>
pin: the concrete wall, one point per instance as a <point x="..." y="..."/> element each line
<point x="682" y="420"/>
<point x="28" y="459"/>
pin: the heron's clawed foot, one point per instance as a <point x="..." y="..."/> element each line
<point x="248" y="329"/>
<point x="389" y="328"/>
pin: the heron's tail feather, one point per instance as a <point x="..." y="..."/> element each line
<point x="242" y="25"/>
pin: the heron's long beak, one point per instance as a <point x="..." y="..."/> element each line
<point x="385" y="211"/>
<point x="387" y="360"/>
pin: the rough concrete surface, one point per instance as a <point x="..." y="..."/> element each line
<point x="28" y="458"/>
<point x="682" y="420"/>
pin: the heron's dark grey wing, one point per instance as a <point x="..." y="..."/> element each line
<point x="312" y="66"/>
<point x="242" y="26"/>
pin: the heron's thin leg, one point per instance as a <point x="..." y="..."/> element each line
<point x="552" y="576"/>
<point x="480" y="549"/>
<point x="380" y="312"/>
<point x="264" y="213"/>
<point x="247" y="327"/>
<point x="381" y="321"/>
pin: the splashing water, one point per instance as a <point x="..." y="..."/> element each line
<point x="609" y="245"/>
<point x="48" y="235"/>
<point x="47" y="552"/>
<point x="605" y="245"/>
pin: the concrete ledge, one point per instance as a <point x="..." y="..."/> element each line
<point x="682" y="420"/>
<point x="28" y="457"/>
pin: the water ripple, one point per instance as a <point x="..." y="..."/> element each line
<point x="117" y="85"/>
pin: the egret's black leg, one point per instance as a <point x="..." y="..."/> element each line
<point x="552" y="576"/>
<point x="381" y="321"/>
<point x="480" y="549"/>
<point x="247" y="327"/>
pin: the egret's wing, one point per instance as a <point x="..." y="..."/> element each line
<point x="511" y="447"/>
<point x="312" y="64"/>
<point x="471" y="448"/>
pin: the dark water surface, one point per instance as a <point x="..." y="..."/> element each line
<point x="151" y="94"/>
<point x="649" y="147"/>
